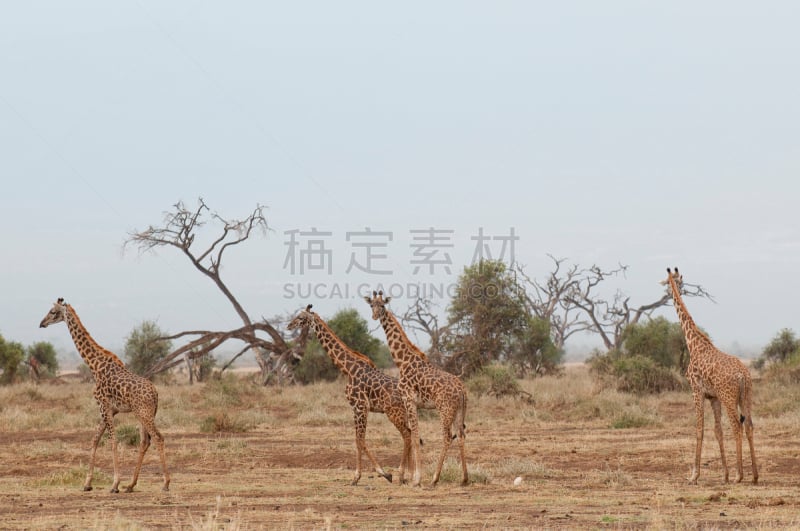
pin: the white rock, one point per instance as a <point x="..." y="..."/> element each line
<point x="518" y="481"/>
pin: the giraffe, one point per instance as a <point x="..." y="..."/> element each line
<point x="421" y="383"/>
<point x="368" y="390"/>
<point x="116" y="390"/>
<point x="719" y="377"/>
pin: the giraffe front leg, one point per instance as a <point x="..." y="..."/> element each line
<point x="716" y="407"/>
<point x="113" y="436"/>
<point x="698" y="410"/>
<point x="413" y="426"/>
<point x="405" y="461"/>
<point x="359" y="417"/>
<point x="361" y="446"/>
<point x="98" y="434"/>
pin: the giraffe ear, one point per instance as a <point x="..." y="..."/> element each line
<point x="387" y="299"/>
<point x="366" y="298"/>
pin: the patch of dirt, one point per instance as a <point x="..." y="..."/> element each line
<point x="574" y="475"/>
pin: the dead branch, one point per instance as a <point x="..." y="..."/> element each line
<point x="179" y="230"/>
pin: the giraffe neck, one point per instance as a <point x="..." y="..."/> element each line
<point x="693" y="335"/>
<point x="342" y="356"/>
<point x="94" y="355"/>
<point x="401" y="348"/>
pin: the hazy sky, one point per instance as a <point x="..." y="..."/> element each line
<point x="649" y="134"/>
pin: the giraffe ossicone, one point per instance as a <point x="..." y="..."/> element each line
<point x="116" y="390"/>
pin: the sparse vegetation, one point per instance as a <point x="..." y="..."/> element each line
<point x="780" y="359"/>
<point x="128" y="434"/>
<point x="283" y="457"/>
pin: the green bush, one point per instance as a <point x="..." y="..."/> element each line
<point x="353" y="331"/>
<point x="43" y="355"/>
<point x="144" y="349"/>
<point x="781" y="350"/>
<point x="11" y="355"/>
<point x="315" y="365"/>
<point x="649" y="361"/>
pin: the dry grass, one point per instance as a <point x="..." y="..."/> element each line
<point x="585" y="458"/>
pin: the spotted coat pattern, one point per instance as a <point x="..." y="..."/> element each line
<point x="116" y="390"/>
<point x="368" y="390"/>
<point x="422" y="383"/>
<point x="722" y="379"/>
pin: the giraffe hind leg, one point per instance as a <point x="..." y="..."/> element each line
<point x="734" y="415"/>
<point x="144" y="444"/>
<point x="747" y="422"/>
<point x="447" y="438"/>
<point x="163" y="457"/>
<point x="397" y="415"/>
<point x="748" y="429"/>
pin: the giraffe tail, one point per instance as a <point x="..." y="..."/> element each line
<point x="744" y="401"/>
<point x="459" y="420"/>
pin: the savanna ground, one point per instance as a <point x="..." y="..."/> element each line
<point x="588" y="458"/>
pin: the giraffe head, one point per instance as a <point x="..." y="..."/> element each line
<point x="675" y="276"/>
<point x="304" y="319"/>
<point x="377" y="303"/>
<point x="56" y="314"/>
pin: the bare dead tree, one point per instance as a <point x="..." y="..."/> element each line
<point x="272" y="353"/>
<point x="421" y="316"/>
<point x="567" y="298"/>
<point x="609" y="318"/>
<point x="548" y="300"/>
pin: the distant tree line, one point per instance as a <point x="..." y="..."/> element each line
<point x="498" y="314"/>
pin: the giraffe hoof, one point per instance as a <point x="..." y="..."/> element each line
<point x="87" y="488"/>
<point x="115" y="491"/>
<point x="387" y="477"/>
<point x="129" y="489"/>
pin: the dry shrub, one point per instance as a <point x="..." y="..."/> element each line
<point x="222" y="422"/>
<point x="494" y="380"/>
<point x="635" y="374"/>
